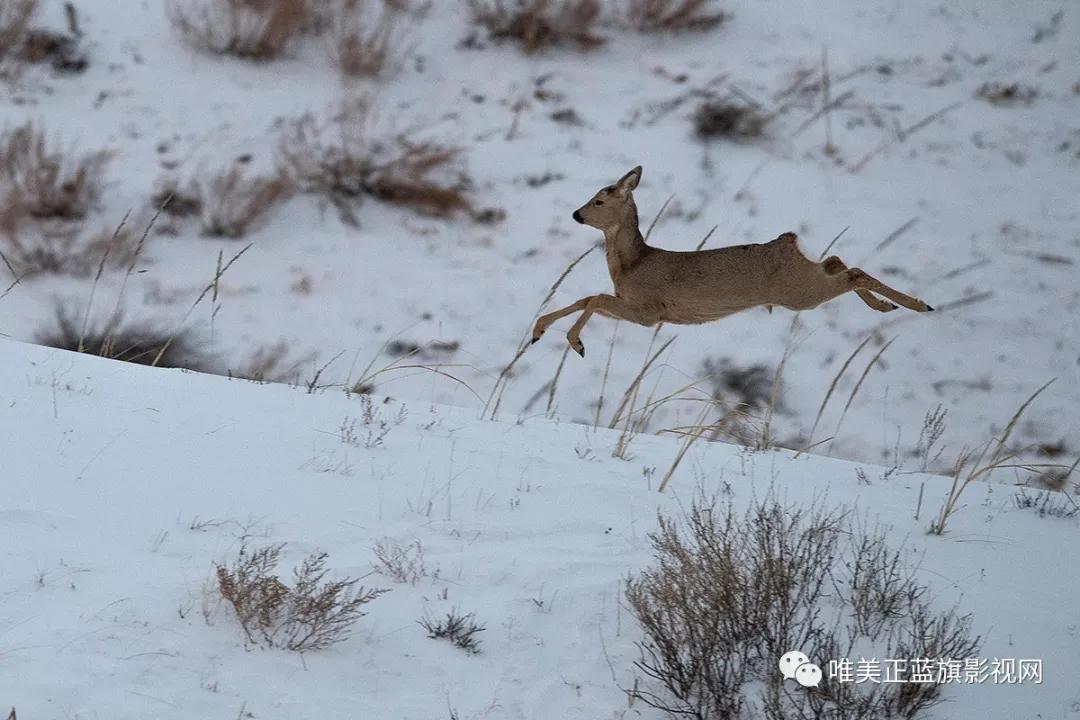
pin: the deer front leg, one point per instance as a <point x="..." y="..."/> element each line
<point x="861" y="280"/>
<point x="612" y="307"/>
<point x="834" y="265"/>
<point x="544" y="321"/>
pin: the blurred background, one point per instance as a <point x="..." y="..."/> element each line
<point x="374" y="196"/>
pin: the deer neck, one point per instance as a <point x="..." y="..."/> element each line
<point x="625" y="247"/>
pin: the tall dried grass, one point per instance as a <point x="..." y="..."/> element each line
<point x="347" y="158"/>
<point x="44" y="183"/>
<point x="535" y="25"/>
<point x="252" y="29"/>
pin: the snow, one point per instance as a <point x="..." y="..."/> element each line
<point x="109" y="471"/>
<point x="124" y="484"/>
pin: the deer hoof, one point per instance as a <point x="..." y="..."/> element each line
<point x="929" y="308"/>
<point x="579" y="348"/>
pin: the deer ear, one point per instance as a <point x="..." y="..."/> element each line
<point x="629" y="181"/>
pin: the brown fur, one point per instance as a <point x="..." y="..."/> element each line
<point x="654" y="285"/>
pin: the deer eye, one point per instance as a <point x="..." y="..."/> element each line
<point x="598" y="202"/>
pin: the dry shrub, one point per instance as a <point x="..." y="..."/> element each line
<point x="67" y="249"/>
<point x="15" y="16"/>
<point x="311" y="615"/>
<point x="1007" y="95"/>
<point x="461" y="630"/>
<point x="60" y="50"/>
<point x="140" y="343"/>
<point x="229" y="202"/>
<point x="672" y="15"/>
<point x="732" y="592"/>
<point x="252" y="29"/>
<point x="346" y="158"/>
<point x="729" y="119"/>
<point x="44" y="183"/>
<point x="743" y="394"/>
<point x="539" y="24"/>
<point x="366" y="42"/>
<point x="402" y="563"/>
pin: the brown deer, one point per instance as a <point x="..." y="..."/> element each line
<point x="654" y="285"/>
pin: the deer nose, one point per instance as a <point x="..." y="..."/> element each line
<point x="577" y="216"/>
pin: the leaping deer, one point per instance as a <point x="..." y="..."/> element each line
<point x="654" y="285"/>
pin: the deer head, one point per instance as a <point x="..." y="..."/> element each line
<point x="613" y="206"/>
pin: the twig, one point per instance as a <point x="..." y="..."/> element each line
<point x="896" y="233"/>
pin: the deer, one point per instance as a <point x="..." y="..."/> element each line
<point x="653" y="285"/>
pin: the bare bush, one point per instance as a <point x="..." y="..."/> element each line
<point x="731" y="593"/>
<point x="61" y="51"/>
<point x="346" y="159"/>
<point x="672" y="15"/>
<point x="67" y="249"/>
<point x="372" y="427"/>
<point x="539" y="24"/>
<point x="15" y="16"/>
<point x="366" y="42"/>
<point x="229" y="202"/>
<point x="1007" y="94"/>
<point x="729" y="119"/>
<point x="44" y="183"/>
<point x="311" y="615"/>
<point x="252" y="29"/>
<point x="461" y="630"/>
<point x="1046" y="503"/>
<point x="402" y="563"/>
<point x="140" y="343"/>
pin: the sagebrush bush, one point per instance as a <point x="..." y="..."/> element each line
<point x="15" y="16"/>
<point x="44" y="183"/>
<point x="311" y="615"/>
<point x="67" y="249"/>
<point x="252" y="29"/>
<point x="142" y="343"/>
<point x="461" y="630"/>
<point x="730" y="593"/>
<point x="367" y="39"/>
<point x="729" y="119"/>
<point x="538" y="24"/>
<point x="672" y="15"/>
<point x="229" y="202"/>
<point x="346" y="158"/>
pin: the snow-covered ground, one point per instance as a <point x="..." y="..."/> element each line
<point x="122" y="485"/>
<point x="989" y="192"/>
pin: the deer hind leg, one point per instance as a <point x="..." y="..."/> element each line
<point x="544" y="321"/>
<point x="612" y="307"/>
<point x="860" y="280"/>
<point x="834" y="265"/>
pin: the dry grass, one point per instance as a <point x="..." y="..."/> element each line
<point x="59" y="50"/>
<point x="535" y="25"/>
<point x="401" y="563"/>
<point x="672" y="15"/>
<point x="731" y="592"/>
<point x="43" y="183"/>
<point x="368" y="42"/>
<point x="230" y="203"/>
<point x="139" y="343"/>
<point x="729" y="119"/>
<point x="461" y="630"/>
<point x="251" y="29"/>
<point x="346" y="158"/>
<point x="979" y="463"/>
<point x="311" y="615"/>
<point x="15" y="16"/>
<point x="67" y="249"/>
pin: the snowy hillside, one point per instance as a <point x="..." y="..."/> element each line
<point x="941" y="136"/>
<point x="123" y="485"/>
